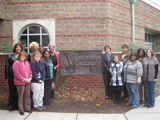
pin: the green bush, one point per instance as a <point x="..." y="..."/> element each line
<point x="7" y="48"/>
<point x="133" y="47"/>
<point x="23" y="42"/>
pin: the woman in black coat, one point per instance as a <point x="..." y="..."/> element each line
<point x="48" y="78"/>
<point x="13" y="97"/>
<point x="106" y="61"/>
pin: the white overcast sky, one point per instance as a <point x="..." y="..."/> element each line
<point x="155" y="3"/>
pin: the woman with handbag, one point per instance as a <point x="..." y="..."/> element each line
<point x="55" y="61"/>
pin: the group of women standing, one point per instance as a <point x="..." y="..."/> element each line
<point x="35" y="71"/>
<point x="135" y="74"/>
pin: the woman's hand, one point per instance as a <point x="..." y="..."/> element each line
<point x="27" y="80"/>
<point x="55" y="68"/>
<point x="138" y="80"/>
<point x="30" y="77"/>
<point x="138" y="83"/>
<point x="155" y="80"/>
<point x="40" y="81"/>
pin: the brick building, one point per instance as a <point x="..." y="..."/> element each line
<point x="78" y="24"/>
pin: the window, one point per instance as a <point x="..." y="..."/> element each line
<point x="150" y="41"/>
<point x="34" y="33"/>
<point x="39" y="30"/>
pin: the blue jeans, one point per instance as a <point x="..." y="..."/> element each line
<point x="133" y="91"/>
<point x="149" y="88"/>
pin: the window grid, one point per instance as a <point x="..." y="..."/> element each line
<point x="37" y="34"/>
<point x="150" y="41"/>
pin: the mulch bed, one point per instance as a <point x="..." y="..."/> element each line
<point x="79" y="102"/>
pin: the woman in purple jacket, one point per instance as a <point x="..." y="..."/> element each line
<point x="22" y="79"/>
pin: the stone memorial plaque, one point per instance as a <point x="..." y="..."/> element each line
<point x="81" y="62"/>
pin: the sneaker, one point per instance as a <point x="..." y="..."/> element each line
<point x="133" y="106"/>
<point x="39" y="109"/>
<point x="145" y="105"/>
<point x="42" y="107"/>
<point x="150" y="106"/>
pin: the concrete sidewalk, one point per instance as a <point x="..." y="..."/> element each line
<point x="140" y="113"/>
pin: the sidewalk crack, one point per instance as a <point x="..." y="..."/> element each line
<point x="125" y="116"/>
<point x="27" y="116"/>
<point x="77" y="116"/>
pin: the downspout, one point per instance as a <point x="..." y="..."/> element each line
<point x="133" y="20"/>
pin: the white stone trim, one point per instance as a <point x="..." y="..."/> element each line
<point x="4" y="54"/>
<point x="48" y="24"/>
<point x="157" y="53"/>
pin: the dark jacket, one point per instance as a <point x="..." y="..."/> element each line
<point x="36" y="68"/>
<point x="47" y="68"/>
<point x="29" y="57"/>
<point x="125" y="59"/>
<point x="106" y="63"/>
<point x="8" y="66"/>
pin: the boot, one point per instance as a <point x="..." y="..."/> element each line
<point x="118" y="100"/>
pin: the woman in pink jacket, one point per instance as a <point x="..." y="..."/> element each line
<point x="22" y="79"/>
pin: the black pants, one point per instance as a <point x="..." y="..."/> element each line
<point x="117" y="94"/>
<point x="107" y="79"/>
<point x="13" y="95"/>
<point x="54" y="80"/>
<point x="125" y="91"/>
<point x="54" y="75"/>
<point x="47" y="91"/>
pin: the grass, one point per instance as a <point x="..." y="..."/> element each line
<point x="158" y="83"/>
<point x="158" y="87"/>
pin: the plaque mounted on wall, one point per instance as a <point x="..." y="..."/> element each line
<point x="81" y="62"/>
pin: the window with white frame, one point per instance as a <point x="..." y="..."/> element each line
<point x="39" y="30"/>
<point x="34" y="33"/>
<point x="150" y="41"/>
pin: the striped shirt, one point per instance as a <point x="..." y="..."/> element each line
<point x="132" y="70"/>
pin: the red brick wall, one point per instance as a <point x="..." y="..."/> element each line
<point x="3" y="81"/>
<point x="84" y="81"/>
<point x="76" y="81"/>
<point x="79" y="81"/>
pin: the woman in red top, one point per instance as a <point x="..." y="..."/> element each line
<point x="55" y="60"/>
<point x="22" y="79"/>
